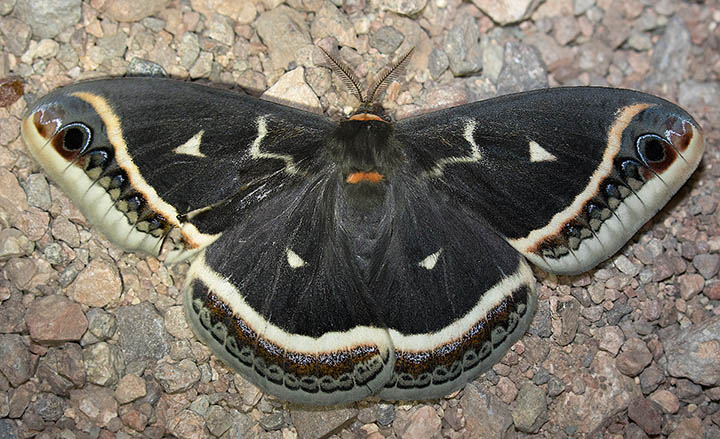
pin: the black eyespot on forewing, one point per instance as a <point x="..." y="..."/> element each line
<point x="72" y="140"/>
<point x="655" y="152"/>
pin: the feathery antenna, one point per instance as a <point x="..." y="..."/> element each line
<point x="388" y="76"/>
<point x="353" y="83"/>
<point x="348" y="77"/>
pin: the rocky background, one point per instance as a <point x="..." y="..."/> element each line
<point x="93" y="342"/>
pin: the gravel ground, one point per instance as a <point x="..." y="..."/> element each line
<point x="93" y="342"/>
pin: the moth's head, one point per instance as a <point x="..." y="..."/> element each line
<point x="370" y="111"/>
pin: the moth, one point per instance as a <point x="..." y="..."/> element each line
<point x="336" y="260"/>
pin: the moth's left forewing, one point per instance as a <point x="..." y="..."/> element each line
<point x="567" y="175"/>
<point x="142" y="156"/>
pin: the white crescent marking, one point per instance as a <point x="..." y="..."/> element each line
<point x="475" y="154"/>
<point x="294" y="260"/>
<point x="540" y="154"/>
<point x="429" y="262"/>
<point x="192" y="146"/>
<point x="255" y="152"/>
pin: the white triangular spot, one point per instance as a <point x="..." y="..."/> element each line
<point x="192" y="146"/>
<point x="540" y="154"/>
<point x="294" y="260"/>
<point x="429" y="262"/>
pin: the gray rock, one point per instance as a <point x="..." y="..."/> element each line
<point x="101" y="323"/>
<point x="188" y="49"/>
<point x="462" y="46"/>
<point x="313" y="423"/>
<point x="16" y="35"/>
<point x="530" y="409"/>
<point x="143" y="67"/>
<point x="541" y="376"/>
<point x="694" y="352"/>
<point x="387" y="39"/>
<point x="4" y="401"/>
<point x="154" y="24"/>
<point x="566" y="29"/>
<point x="619" y="310"/>
<point x="220" y="28"/>
<point x="650" y="379"/>
<point x="8" y="429"/>
<point x="616" y="30"/>
<point x="493" y="58"/>
<point x="14" y="243"/>
<point x="403" y="7"/>
<point x="707" y="264"/>
<point x="97" y="403"/>
<point x="104" y="364"/>
<point x="53" y="253"/>
<point x="485" y="414"/>
<point x="507" y="11"/>
<point x="109" y="47"/>
<point x="595" y="57"/>
<point x="38" y="191"/>
<point x="626" y="266"/>
<point x="272" y="422"/>
<point x="15" y="361"/>
<point x="438" y="62"/>
<point x="6" y="6"/>
<point x="132" y="10"/>
<point x="141" y="333"/>
<point x="331" y="22"/>
<point x="556" y="386"/>
<point x="385" y="414"/>
<point x="696" y="94"/>
<point x="599" y="402"/>
<point x="523" y="69"/>
<point x="582" y="6"/>
<point x="669" y="60"/>
<point x="639" y="41"/>
<point x="541" y="324"/>
<point x="218" y="420"/>
<point x="178" y="377"/>
<point x="47" y="18"/>
<point x="568" y="309"/>
<point x="203" y="65"/>
<point x="284" y="31"/>
<point x="62" y="368"/>
<point x="21" y="398"/>
<point x="241" y="423"/>
<point x="67" y="56"/>
<point x="200" y="405"/>
<point x="50" y="407"/>
<point x="688" y="391"/>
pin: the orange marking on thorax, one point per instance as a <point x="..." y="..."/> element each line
<point x="366" y="116"/>
<point x="357" y="177"/>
